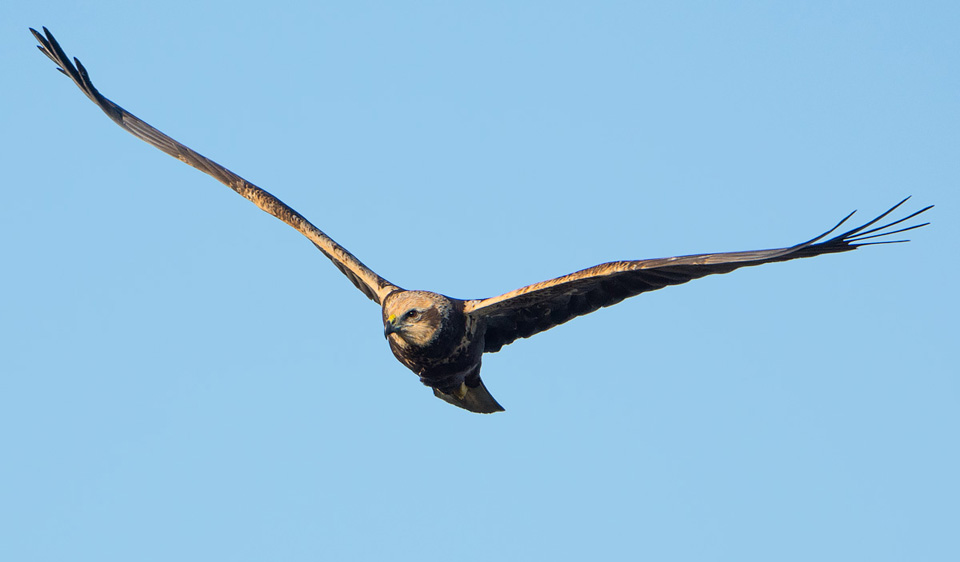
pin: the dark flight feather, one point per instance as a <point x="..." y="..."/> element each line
<point x="371" y="284"/>
<point x="532" y="309"/>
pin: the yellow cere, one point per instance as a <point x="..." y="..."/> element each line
<point x="391" y="318"/>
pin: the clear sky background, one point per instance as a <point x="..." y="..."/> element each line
<point x="183" y="377"/>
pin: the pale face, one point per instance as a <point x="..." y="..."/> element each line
<point x="413" y="318"/>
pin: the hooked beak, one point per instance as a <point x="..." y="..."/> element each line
<point x="390" y="326"/>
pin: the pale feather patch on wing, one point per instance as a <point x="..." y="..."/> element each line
<point x="372" y="285"/>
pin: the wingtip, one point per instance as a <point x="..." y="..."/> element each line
<point x="856" y="237"/>
<point x="40" y="38"/>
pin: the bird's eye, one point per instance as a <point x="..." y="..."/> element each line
<point x="412" y="314"/>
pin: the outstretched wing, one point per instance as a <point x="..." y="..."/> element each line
<point x="541" y="306"/>
<point x="371" y="284"/>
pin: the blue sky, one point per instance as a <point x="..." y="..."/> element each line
<point x="183" y="377"/>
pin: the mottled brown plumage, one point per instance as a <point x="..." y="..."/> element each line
<point x="430" y="334"/>
<point x="442" y="339"/>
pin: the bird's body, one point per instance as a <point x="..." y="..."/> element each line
<point x="442" y="339"/>
<point x="432" y="336"/>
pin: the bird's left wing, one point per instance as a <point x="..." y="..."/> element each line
<point x="371" y="284"/>
<point x="541" y="306"/>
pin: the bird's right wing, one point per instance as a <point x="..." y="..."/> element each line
<point x="371" y="284"/>
<point x="541" y="306"/>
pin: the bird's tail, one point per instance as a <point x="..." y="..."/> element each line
<point x="474" y="398"/>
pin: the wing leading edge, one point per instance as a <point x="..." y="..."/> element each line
<point x="532" y="309"/>
<point x="372" y="285"/>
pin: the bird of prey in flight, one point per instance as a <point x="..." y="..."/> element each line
<point x="442" y="339"/>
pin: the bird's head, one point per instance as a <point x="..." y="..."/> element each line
<point x="414" y="318"/>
